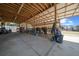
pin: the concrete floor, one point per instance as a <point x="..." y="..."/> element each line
<point x="22" y="44"/>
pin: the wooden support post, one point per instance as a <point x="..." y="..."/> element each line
<point x="55" y="13"/>
<point x="19" y="25"/>
<point x="57" y="21"/>
<point x="2" y="24"/>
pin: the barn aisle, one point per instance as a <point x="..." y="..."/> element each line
<point x="22" y="44"/>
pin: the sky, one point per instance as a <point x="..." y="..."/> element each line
<point x="74" y="21"/>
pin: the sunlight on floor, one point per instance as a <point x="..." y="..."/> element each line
<point x="72" y="38"/>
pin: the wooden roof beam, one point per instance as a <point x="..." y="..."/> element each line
<point x="57" y="9"/>
<point x="38" y="7"/>
<point x="34" y="8"/>
<point x="75" y="10"/>
<point x="46" y="5"/>
<point x="42" y="6"/>
<point x="51" y="4"/>
<point x="19" y="10"/>
<point x="32" y="12"/>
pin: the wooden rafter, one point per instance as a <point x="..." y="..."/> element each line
<point x="42" y="6"/>
<point x="75" y="9"/>
<point x="20" y="8"/>
<point x="34" y="7"/>
<point x="57" y="9"/>
<point x="38" y="7"/>
<point x="43" y="15"/>
<point x="32" y="11"/>
<point x="46" y="5"/>
<point x="51" y="4"/>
